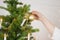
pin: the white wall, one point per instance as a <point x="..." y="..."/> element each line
<point x="49" y="8"/>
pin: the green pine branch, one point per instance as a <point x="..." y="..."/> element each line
<point x="14" y="20"/>
<point x="4" y="8"/>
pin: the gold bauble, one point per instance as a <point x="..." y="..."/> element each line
<point x="26" y="16"/>
<point x="31" y="17"/>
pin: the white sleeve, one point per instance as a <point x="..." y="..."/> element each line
<point x="56" y="34"/>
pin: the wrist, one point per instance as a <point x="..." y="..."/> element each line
<point x="42" y="18"/>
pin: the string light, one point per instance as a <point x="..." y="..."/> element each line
<point x="28" y="36"/>
<point x="1" y="23"/>
<point x="5" y="36"/>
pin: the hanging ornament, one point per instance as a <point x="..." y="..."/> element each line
<point x="31" y="17"/>
<point x="27" y="17"/>
<point x="1" y="23"/>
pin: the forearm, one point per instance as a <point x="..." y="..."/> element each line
<point x="49" y="26"/>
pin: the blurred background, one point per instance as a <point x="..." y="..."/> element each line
<point x="49" y="8"/>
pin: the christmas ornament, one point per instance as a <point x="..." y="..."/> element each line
<point x="31" y="17"/>
<point x="27" y="17"/>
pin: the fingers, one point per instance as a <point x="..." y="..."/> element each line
<point x="36" y="14"/>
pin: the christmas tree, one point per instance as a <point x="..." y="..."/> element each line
<point x="17" y="25"/>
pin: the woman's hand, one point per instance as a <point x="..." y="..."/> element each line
<point x="37" y="15"/>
